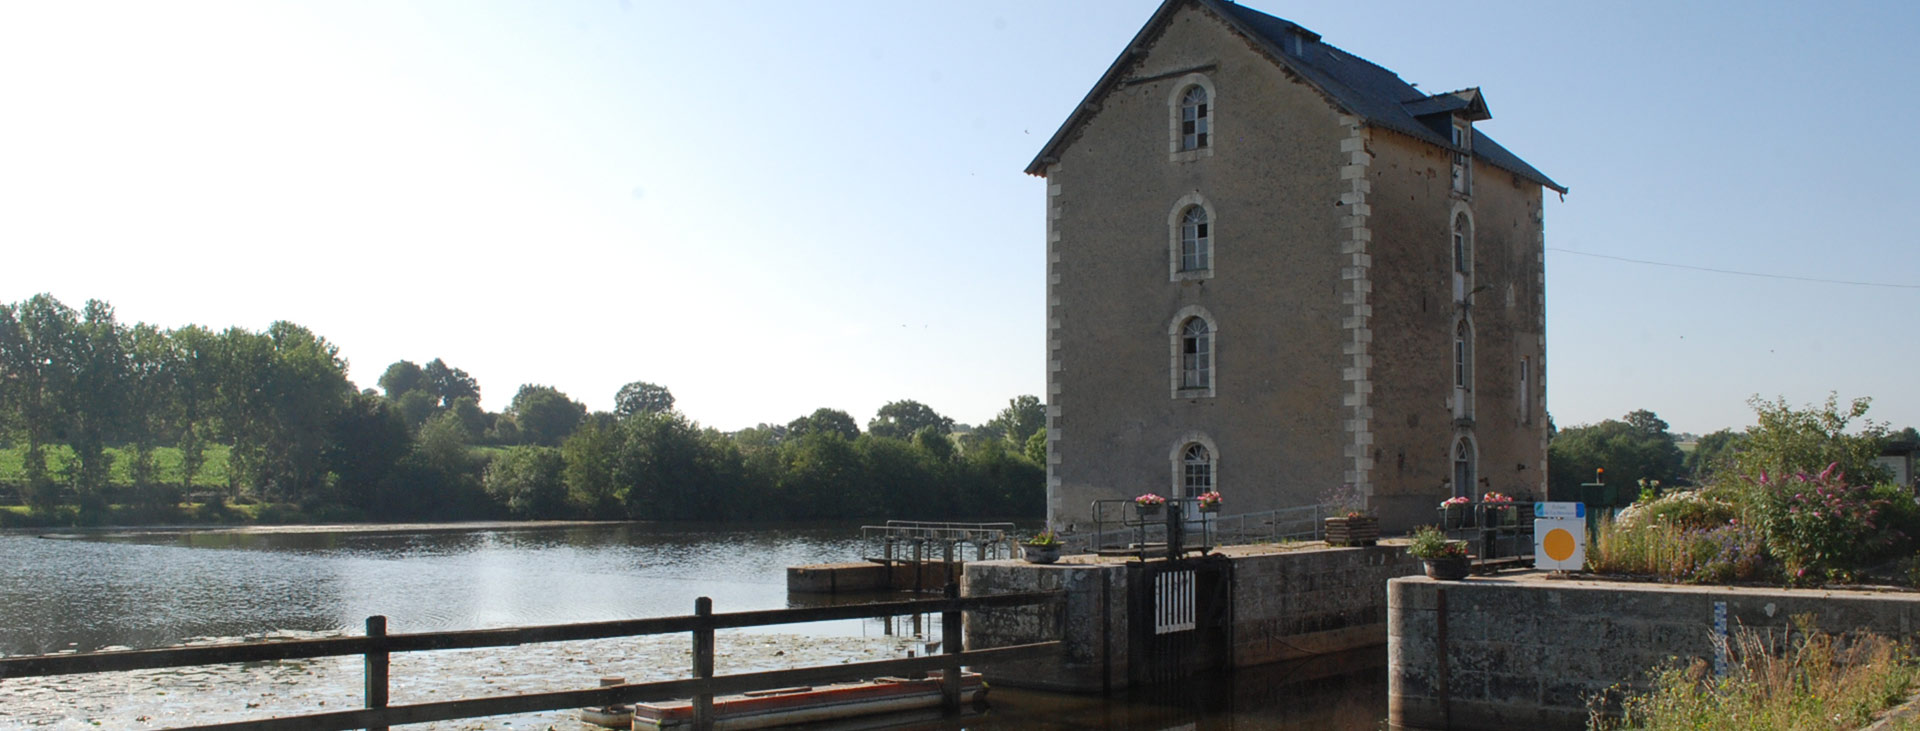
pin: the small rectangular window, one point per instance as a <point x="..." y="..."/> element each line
<point x="1526" y="390"/>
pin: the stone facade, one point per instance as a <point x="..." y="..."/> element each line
<point x="1327" y="291"/>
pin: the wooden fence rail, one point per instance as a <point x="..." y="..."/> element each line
<point x="377" y="646"/>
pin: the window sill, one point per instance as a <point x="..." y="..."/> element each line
<point x="1193" y="393"/>
<point x="1190" y="155"/>
<point x="1193" y="275"/>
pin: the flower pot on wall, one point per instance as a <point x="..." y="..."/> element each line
<point x="1148" y="510"/>
<point x="1041" y="554"/>
<point x="1358" y="530"/>
<point x="1451" y="568"/>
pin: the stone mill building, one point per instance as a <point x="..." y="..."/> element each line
<point x="1275" y="269"/>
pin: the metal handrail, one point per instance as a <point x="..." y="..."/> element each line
<point x="918" y="541"/>
<point x="1301" y="523"/>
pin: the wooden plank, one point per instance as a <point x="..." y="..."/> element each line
<point x="44" y="665"/>
<point x="632" y="693"/>
<point x="172" y="657"/>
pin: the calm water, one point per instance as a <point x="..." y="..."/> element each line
<point x="91" y="590"/>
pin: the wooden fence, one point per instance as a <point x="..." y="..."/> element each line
<point x="376" y="646"/>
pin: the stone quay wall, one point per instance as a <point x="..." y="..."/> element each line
<point x="1285" y="605"/>
<point x="1529" y="651"/>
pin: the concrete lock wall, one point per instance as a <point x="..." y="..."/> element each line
<point x="1091" y="625"/>
<point x="1303" y="603"/>
<point x="1528" y="652"/>
<point x="1284" y="606"/>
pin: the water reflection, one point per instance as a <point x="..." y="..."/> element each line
<point x="86" y="591"/>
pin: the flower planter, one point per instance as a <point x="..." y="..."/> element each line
<point x="1361" y="530"/>
<point x="1453" y="516"/>
<point x="1149" y="511"/>
<point x="1209" y="507"/>
<point x="1446" y="569"/>
<point x="1041" y="554"/>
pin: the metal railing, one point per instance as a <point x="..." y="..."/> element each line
<point x="1303" y="523"/>
<point x="919" y="541"/>
<point x="377" y="646"/>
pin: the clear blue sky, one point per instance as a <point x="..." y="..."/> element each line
<point x="770" y="207"/>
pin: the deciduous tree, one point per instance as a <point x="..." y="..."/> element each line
<point x="1023" y="416"/>
<point x="900" y="419"/>
<point x="641" y="397"/>
<point x="544" y="415"/>
<point x="826" y="421"/>
<point x="449" y="383"/>
<point x="401" y="378"/>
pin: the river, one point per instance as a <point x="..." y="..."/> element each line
<point x="94" y="590"/>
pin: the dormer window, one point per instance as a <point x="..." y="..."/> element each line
<point x="1462" y="158"/>
<point x="1194" y="120"/>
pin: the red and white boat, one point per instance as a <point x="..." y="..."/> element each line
<point x="810" y="704"/>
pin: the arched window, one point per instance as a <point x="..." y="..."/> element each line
<point x="1463" y="467"/>
<point x="1196" y="471"/>
<point x="1462" y="353"/>
<point x="1196" y="354"/>
<point x="1462" y="244"/>
<point x="1194" y="119"/>
<point x="1196" y="243"/>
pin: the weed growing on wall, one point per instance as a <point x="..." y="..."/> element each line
<point x="1811" y="680"/>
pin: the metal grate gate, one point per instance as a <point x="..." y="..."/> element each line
<point x="1181" y="618"/>
<point x="1173" y="601"/>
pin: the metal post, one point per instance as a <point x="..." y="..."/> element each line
<point x="376" y="665"/>
<point x="950" y="644"/>
<point x="703" y="661"/>
<point x="1176" y="530"/>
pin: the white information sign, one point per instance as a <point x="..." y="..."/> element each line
<point x="1559" y="510"/>
<point x="1559" y="544"/>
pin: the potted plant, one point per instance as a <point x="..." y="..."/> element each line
<point x="1444" y="559"/>
<point x="1453" y="511"/>
<point x="1499" y="509"/>
<point x="1043" y="547"/>
<point x="1210" y="501"/>
<point x="1149" y="504"/>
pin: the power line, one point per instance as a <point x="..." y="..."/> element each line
<point x="1730" y="271"/>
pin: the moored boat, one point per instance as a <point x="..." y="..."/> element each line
<point x="808" y="704"/>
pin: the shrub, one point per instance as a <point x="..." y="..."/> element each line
<point x="1689" y="510"/>
<point x="1822" y="527"/>
<point x="1429" y="542"/>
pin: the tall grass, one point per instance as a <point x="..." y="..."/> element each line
<point x="1674" y="551"/>
<point x="1811" y="680"/>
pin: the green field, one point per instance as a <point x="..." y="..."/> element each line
<point x="166" y="460"/>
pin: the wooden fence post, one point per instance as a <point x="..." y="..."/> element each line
<point x="376" y="665"/>
<point x="950" y="643"/>
<point x="703" y="662"/>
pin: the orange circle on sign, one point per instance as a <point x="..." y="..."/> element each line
<point x="1559" y="544"/>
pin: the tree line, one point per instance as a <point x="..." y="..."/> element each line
<point x="1640" y="447"/>
<point x="296" y="431"/>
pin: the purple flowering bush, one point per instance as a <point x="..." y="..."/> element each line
<point x="1821" y="527"/>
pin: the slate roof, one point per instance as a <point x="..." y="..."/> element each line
<point x="1362" y="88"/>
